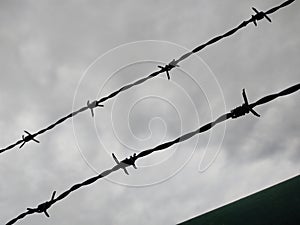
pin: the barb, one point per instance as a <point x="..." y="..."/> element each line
<point x="127" y="162"/>
<point x="28" y="138"/>
<point x="243" y="109"/>
<point x="259" y="16"/>
<point x="93" y="105"/>
<point x="167" y="68"/>
<point x="42" y="208"/>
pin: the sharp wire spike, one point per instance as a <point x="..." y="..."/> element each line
<point x="255" y="10"/>
<point x="22" y="144"/>
<point x="119" y="163"/>
<point x="254" y="21"/>
<point x="53" y="195"/>
<point x="255" y="113"/>
<point x="168" y="75"/>
<point x="245" y="96"/>
<point x="35" y="140"/>
<point x="268" y="18"/>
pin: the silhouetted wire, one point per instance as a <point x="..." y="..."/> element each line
<point x="239" y="111"/>
<point x="174" y="63"/>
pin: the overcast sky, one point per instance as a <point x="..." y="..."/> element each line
<point x="50" y="60"/>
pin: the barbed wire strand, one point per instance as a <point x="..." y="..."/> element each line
<point x="174" y="63"/>
<point x="239" y="111"/>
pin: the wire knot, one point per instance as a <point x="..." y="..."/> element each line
<point x="244" y="109"/>
<point x="168" y="67"/>
<point x="93" y="105"/>
<point x="126" y="162"/>
<point x="28" y="138"/>
<point x="259" y="16"/>
<point x="42" y="208"/>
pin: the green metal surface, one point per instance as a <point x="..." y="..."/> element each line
<point x="277" y="205"/>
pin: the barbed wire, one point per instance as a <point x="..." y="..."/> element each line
<point x="239" y="111"/>
<point x="259" y="15"/>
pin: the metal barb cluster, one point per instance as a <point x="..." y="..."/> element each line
<point x="93" y="105"/>
<point x="126" y="162"/>
<point x="259" y="16"/>
<point x="28" y="138"/>
<point x="244" y="109"/>
<point x="42" y="208"/>
<point x="168" y="67"/>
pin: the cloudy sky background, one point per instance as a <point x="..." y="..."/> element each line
<point x="46" y="48"/>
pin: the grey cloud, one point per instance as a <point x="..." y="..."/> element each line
<point x="47" y="45"/>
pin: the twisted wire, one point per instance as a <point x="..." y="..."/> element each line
<point x="127" y="162"/>
<point x="174" y="63"/>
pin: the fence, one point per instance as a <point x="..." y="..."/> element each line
<point x="237" y="112"/>
<point x="163" y="69"/>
